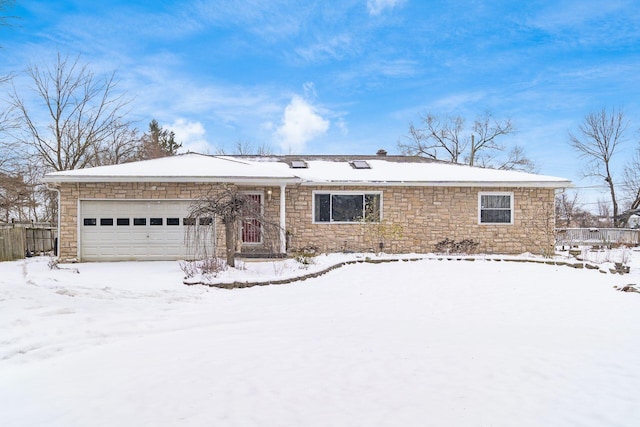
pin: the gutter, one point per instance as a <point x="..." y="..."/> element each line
<point x="231" y="180"/>
<point x="59" y="217"/>
<point x="519" y="184"/>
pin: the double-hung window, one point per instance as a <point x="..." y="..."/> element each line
<point x="495" y="208"/>
<point x="347" y="207"/>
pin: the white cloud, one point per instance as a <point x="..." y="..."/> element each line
<point x="191" y="135"/>
<point x="309" y="90"/>
<point x="375" y="7"/>
<point x="300" y="124"/>
<point x="342" y="125"/>
<point x="327" y="48"/>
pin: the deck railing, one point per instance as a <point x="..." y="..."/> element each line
<point x="597" y="237"/>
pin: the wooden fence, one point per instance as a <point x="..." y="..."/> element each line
<point x="605" y="237"/>
<point x="18" y="242"/>
<point x="38" y="240"/>
<point x="11" y="244"/>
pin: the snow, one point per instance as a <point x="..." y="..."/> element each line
<point x="190" y="166"/>
<point x="435" y="173"/>
<point x="197" y="167"/>
<point x="436" y="341"/>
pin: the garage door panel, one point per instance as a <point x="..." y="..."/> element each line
<point x="139" y="235"/>
<point x="130" y="242"/>
<point x="175" y="235"/>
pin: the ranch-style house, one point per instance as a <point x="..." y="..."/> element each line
<point x="398" y="204"/>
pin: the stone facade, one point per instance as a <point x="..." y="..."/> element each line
<point x="414" y="219"/>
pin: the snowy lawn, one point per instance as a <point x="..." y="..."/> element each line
<point x="431" y="342"/>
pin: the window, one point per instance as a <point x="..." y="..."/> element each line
<point x="122" y="221"/>
<point x="139" y="221"/>
<point x="299" y="164"/>
<point x="173" y="221"/>
<point x="188" y="221"/>
<point x="347" y="207"/>
<point x="106" y="221"/>
<point x="205" y="220"/>
<point x="360" y="164"/>
<point x="495" y="208"/>
<point x="89" y="221"/>
<point x="155" y="221"/>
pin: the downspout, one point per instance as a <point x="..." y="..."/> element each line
<point x="57" y="190"/>
<point x="283" y="221"/>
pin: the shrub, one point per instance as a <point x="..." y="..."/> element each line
<point x="205" y="267"/>
<point x="305" y="258"/>
<point x="53" y="264"/>
<point x="449" y="246"/>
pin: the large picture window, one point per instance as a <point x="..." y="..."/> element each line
<point x="347" y="207"/>
<point x="495" y="208"/>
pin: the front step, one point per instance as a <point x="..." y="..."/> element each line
<point x="255" y="255"/>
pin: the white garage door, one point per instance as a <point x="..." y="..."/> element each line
<point x="133" y="230"/>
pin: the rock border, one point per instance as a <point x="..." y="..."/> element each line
<point x="240" y="285"/>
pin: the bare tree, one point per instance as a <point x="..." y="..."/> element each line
<point x="5" y="22"/>
<point x="631" y="181"/>
<point x="15" y="196"/>
<point x="121" y="145"/>
<point x="597" y="140"/>
<point x="5" y="19"/>
<point x="437" y="136"/>
<point x="248" y="148"/>
<point x="449" y="139"/>
<point x="232" y="207"/>
<point x="487" y="130"/>
<point x="604" y="213"/>
<point x="81" y="113"/>
<point x="14" y="190"/>
<point x="10" y="154"/>
<point x="517" y="160"/>
<point x="567" y="207"/>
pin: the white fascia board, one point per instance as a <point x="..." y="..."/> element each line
<point x="288" y="180"/>
<point x="230" y="180"/>
<point x="519" y="184"/>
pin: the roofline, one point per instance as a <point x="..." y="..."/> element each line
<point x="520" y="184"/>
<point x="287" y="158"/>
<point x="232" y="180"/>
<point x="307" y="183"/>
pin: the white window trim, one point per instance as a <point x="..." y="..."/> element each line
<point x="346" y="193"/>
<point x="495" y="193"/>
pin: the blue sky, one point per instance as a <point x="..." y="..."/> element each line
<point x="350" y="76"/>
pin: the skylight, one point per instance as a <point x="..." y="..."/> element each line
<point x="359" y="164"/>
<point x="299" y="164"/>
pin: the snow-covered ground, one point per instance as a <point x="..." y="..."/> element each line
<point x="420" y="343"/>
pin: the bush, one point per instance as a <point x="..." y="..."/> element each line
<point x="449" y="246"/>
<point x="53" y="264"/>
<point x="305" y="259"/>
<point x="205" y="267"/>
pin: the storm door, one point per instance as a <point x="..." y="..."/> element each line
<point x="251" y="226"/>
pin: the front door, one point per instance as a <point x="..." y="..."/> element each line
<point x="251" y="226"/>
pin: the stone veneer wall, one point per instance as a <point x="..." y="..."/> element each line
<point x="426" y="215"/>
<point x="70" y="193"/>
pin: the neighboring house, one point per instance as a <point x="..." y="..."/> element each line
<point x="137" y="211"/>
<point x="630" y="218"/>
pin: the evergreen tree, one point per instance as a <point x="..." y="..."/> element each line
<point x="158" y="142"/>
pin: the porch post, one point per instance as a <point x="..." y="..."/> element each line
<point x="283" y="222"/>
